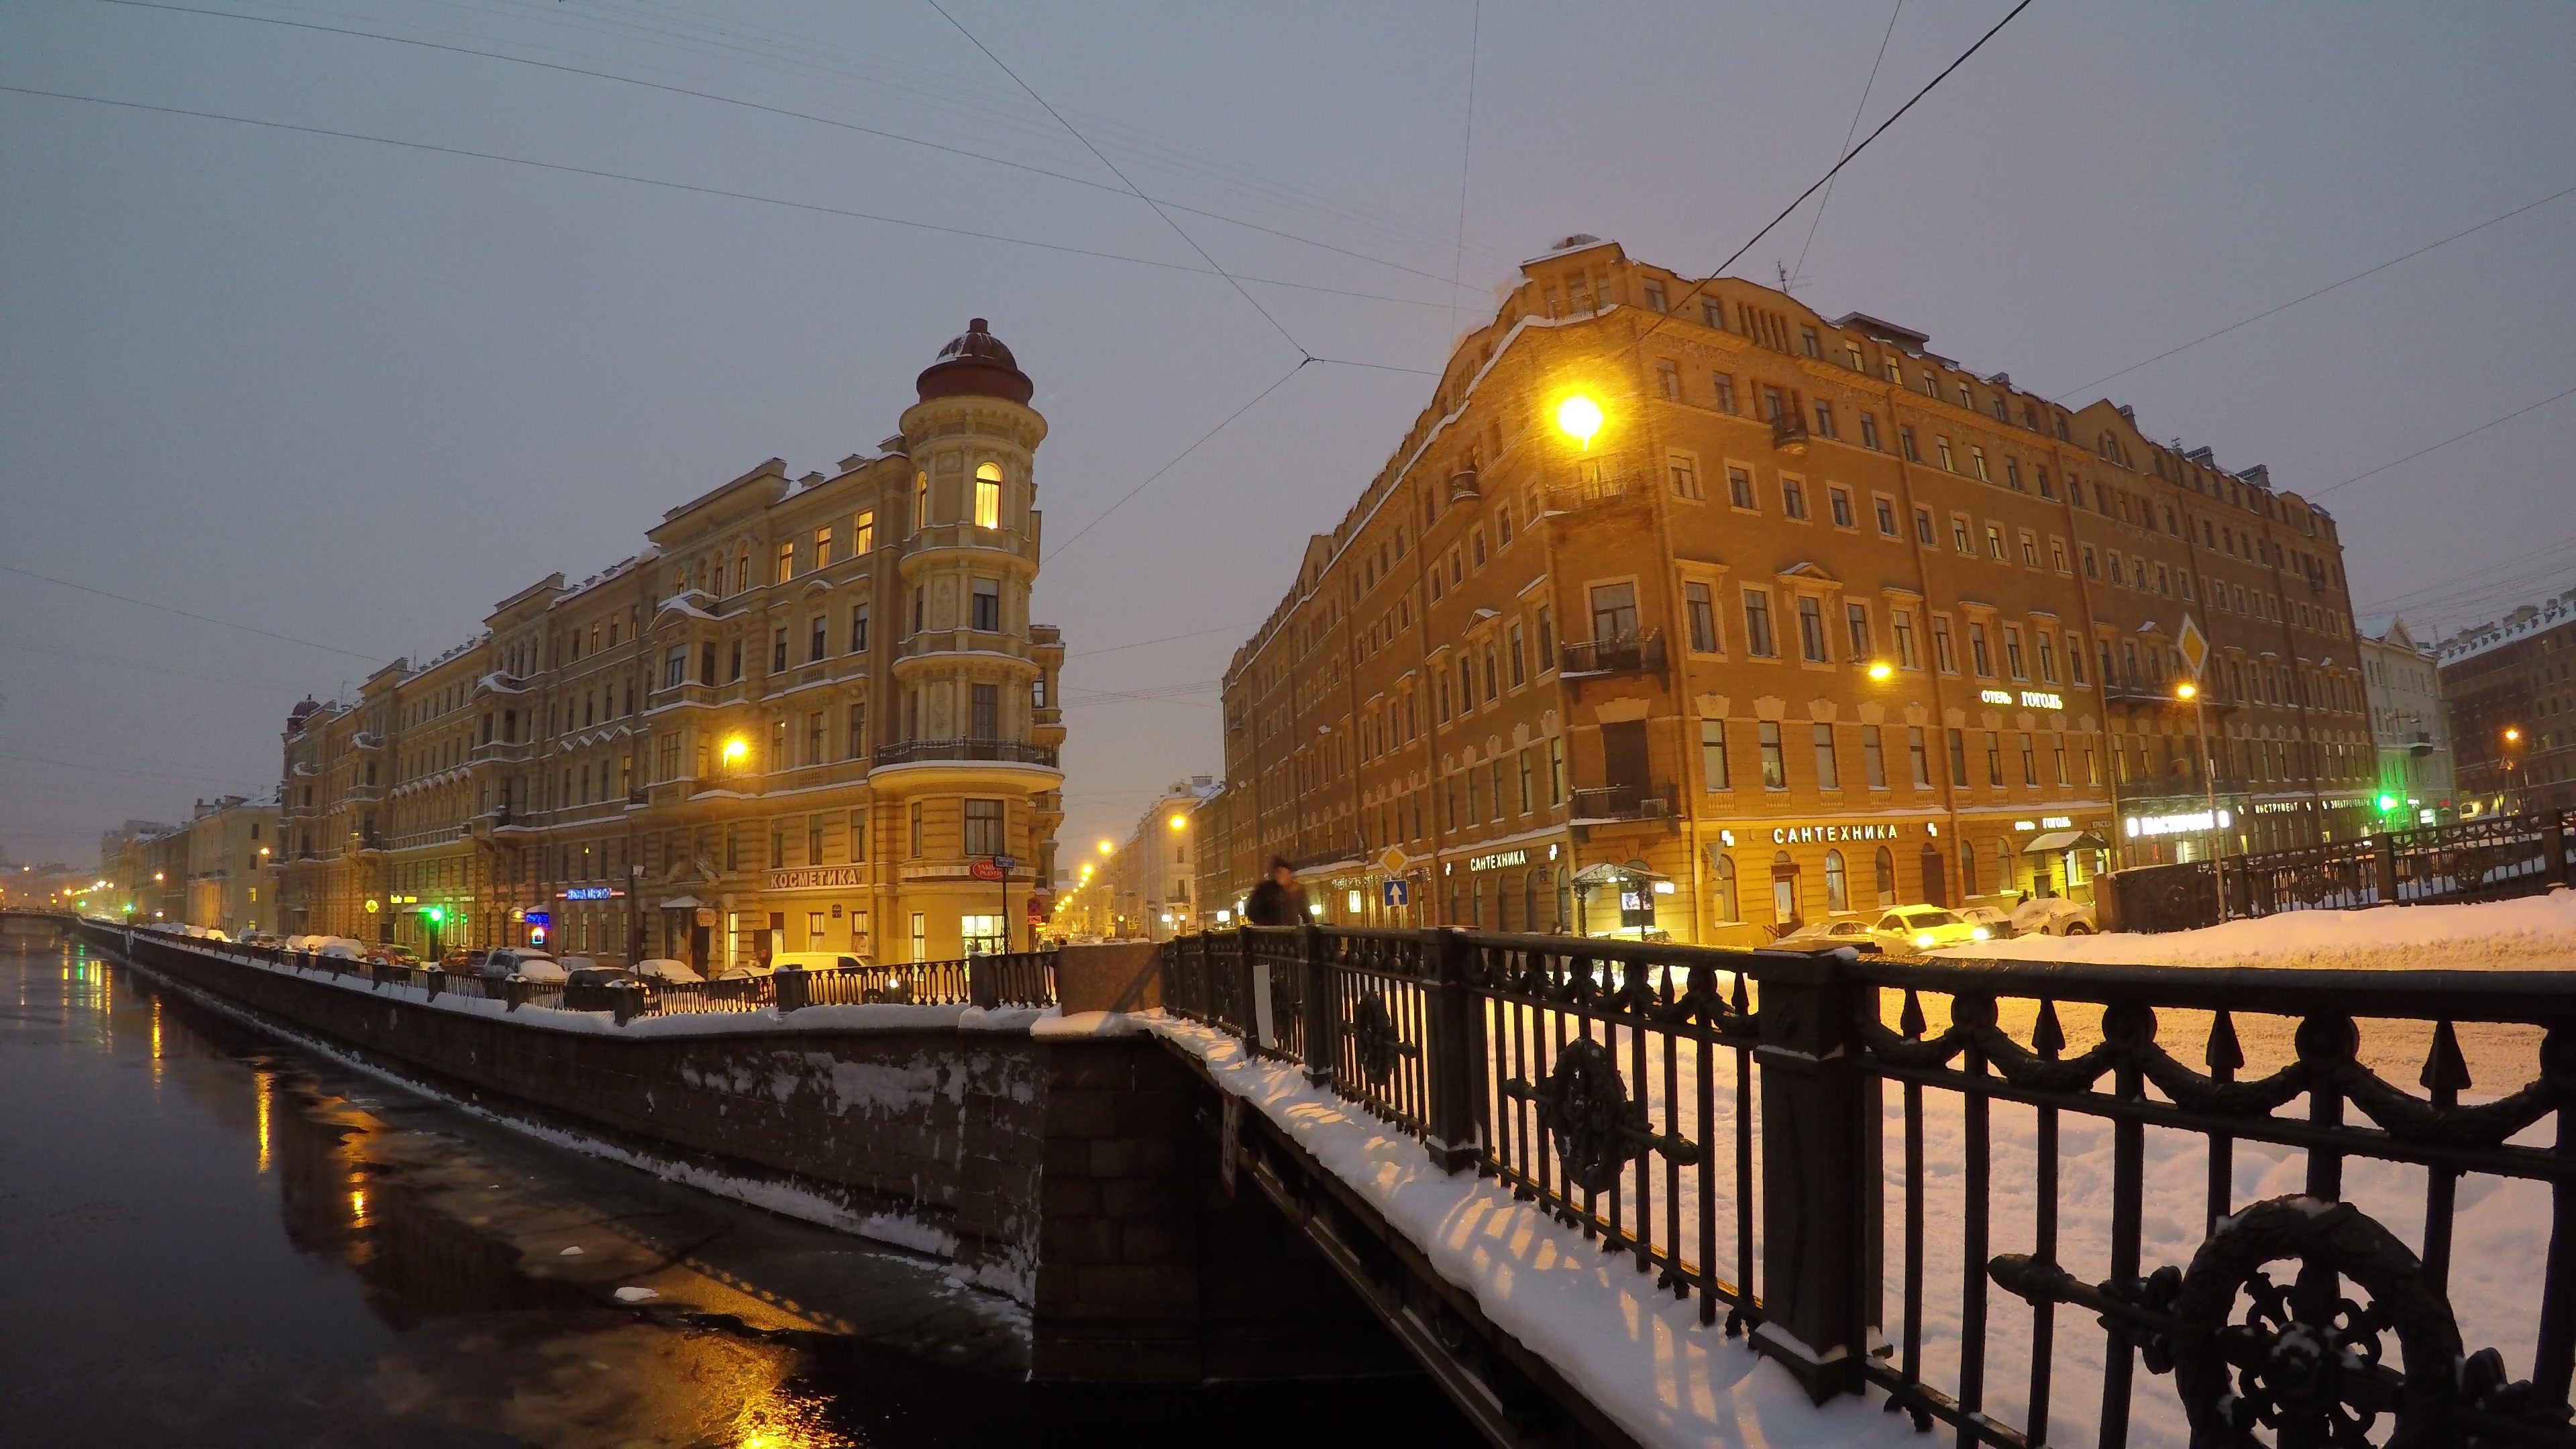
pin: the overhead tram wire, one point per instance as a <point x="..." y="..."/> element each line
<point x="1817" y="219"/>
<point x="1466" y="163"/>
<point x="722" y="193"/>
<point x="1200" y="442"/>
<point x="185" y="614"/>
<point x="2074" y="392"/>
<point x="1303" y="354"/>
<point x="2446" y="442"/>
<point x="719" y="98"/>
<point x="1848" y="156"/>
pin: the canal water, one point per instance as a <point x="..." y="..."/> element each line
<point x="210" y="1238"/>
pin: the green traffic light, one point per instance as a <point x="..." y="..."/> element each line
<point x="2387" y="802"/>
<point x="435" y="915"/>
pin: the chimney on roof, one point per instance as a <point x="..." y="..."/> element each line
<point x="852" y="463"/>
<point x="810" y="479"/>
<point x="2205" y="457"/>
<point x="2260" y="476"/>
<point x="2130" y="413"/>
<point x="893" y="445"/>
<point x="2001" y="379"/>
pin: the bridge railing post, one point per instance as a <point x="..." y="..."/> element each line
<point x="793" y="992"/>
<point x="983" y="983"/>
<point x="1453" y="1051"/>
<point x="1318" y="1005"/>
<point x="1820" y="1177"/>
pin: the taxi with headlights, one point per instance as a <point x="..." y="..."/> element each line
<point x="1913" y="930"/>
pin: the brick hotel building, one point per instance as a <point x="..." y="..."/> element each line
<point x="1800" y="619"/>
<point x="800" y="719"/>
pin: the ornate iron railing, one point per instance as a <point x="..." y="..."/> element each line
<point x="1809" y="1142"/>
<point x="2474" y="860"/>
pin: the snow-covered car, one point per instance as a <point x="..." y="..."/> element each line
<point x="1911" y="930"/>
<point x="1828" y="935"/>
<point x="341" y="947"/>
<point x="745" y="971"/>
<point x="663" y="971"/>
<point x="508" y="961"/>
<point x="2053" y="916"/>
<point x="1997" y="921"/>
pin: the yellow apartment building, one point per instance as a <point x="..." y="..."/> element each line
<point x="1684" y="611"/>
<point x="812" y="714"/>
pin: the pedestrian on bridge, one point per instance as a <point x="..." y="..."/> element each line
<point x="1278" y="901"/>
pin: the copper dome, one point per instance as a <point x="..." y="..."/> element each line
<point x="975" y="364"/>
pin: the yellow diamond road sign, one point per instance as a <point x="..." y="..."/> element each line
<point x="2193" y="645"/>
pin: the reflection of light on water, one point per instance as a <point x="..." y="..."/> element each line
<point x="156" y="1041"/>
<point x="357" y="1207"/>
<point x="259" y="1091"/>
<point x="781" y="1418"/>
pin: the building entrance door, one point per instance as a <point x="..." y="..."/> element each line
<point x="1784" y="893"/>
<point x="1936" y="890"/>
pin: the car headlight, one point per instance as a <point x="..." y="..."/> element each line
<point x="1923" y="939"/>
<point x="1979" y="934"/>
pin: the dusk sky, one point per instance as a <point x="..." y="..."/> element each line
<point x="355" y="393"/>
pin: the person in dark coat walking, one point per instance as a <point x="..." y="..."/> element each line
<point x="1278" y="901"/>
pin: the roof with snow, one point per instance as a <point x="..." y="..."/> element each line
<point x="2521" y="624"/>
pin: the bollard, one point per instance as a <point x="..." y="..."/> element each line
<point x="436" y="979"/>
<point x="1323" y="1020"/>
<point x="622" y="999"/>
<point x="515" y="991"/>
<point x="791" y="988"/>
<point x="1453" y="1054"/>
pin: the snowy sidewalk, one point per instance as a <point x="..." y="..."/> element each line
<point x="2533" y="933"/>
<point x="1639" y="1355"/>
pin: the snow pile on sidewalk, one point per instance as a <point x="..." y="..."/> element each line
<point x="1640" y="1354"/>
<point x="2534" y="933"/>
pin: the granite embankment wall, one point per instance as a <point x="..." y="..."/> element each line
<point x="1074" y="1172"/>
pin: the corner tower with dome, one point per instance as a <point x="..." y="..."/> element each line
<point x="813" y="715"/>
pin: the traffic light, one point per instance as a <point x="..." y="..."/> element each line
<point x="435" y="914"/>
<point x="2387" y="803"/>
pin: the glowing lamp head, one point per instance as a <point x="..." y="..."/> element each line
<point x="736" y="749"/>
<point x="2512" y="735"/>
<point x="1579" y="417"/>
<point x="1178" y="822"/>
<point x="1882" y="671"/>
<point x="2186" y="690"/>
<point x="1979" y="934"/>
<point x="1105" y="847"/>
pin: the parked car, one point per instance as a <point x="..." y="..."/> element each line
<point x="343" y="948"/>
<point x="663" y="971"/>
<point x="505" y="962"/>
<point x="402" y="956"/>
<point x="819" y="960"/>
<point x="2053" y="916"/>
<point x="1828" y="936"/>
<point x="1997" y="921"/>
<point x="1912" y="930"/>
<point x="745" y="971"/>
<point x="589" y="986"/>
<point x="461" y="963"/>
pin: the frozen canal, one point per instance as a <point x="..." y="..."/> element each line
<point x="206" y="1238"/>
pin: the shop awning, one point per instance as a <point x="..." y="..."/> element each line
<point x="681" y="903"/>
<point x="1608" y="874"/>
<point x="2057" y="840"/>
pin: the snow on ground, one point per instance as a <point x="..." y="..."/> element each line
<point x="1641" y="1355"/>
<point x="2533" y="933"/>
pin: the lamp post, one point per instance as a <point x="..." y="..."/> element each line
<point x="2512" y="741"/>
<point x="2190" y="691"/>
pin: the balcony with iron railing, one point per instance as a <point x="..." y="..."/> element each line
<point x="1789" y="433"/>
<point x="1618" y="803"/>
<point x="1005" y="752"/>
<point x="2122" y="686"/>
<point x="1640" y="652"/>
<point x="500" y="751"/>
<point x="1605" y="487"/>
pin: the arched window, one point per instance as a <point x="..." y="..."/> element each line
<point x="1967" y="870"/>
<point x="988" y="495"/>
<point x="1837" y="886"/>
<point x="1476" y="904"/>
<point x="1725" y="881"/>
<point x="1886" y="878"/>
<point x="1529" y="900"/>
<point x="920" y="500"/>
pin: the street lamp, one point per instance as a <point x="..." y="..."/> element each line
<point x="2512" y="738"/>
<point x="2189" y="692"/>
<point x="1579" y="417"/>
<point x="736" y="750"/>
<point x="1179" y="822"/>
<point x="1880" y="671"/>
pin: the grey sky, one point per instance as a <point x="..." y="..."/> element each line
<point x="355" y="393"/>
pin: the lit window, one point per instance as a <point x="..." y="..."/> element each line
<point x="988" y="495"/>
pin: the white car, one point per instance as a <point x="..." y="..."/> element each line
<point x="2053" y="916"/>
<point x="1997" y="921"/>
<point x="343" y="947"/>
<point x="1912" y="930"/>
<point x="663" y="971"/>
<point x="1825" y="935"/>
<point x="508" y="961"/>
